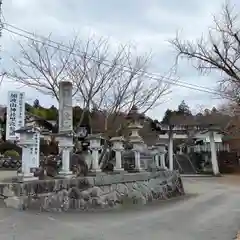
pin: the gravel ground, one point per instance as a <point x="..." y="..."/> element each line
<point x="212" y="211"/>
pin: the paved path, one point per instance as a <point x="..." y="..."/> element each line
<point x="212" y="214"/>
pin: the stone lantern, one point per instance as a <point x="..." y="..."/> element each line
<point x="134" y="137"/>
<point x="155" y="153"/>
<point x="30" y="143"/>
<point x="65" y="144"/>
<point x="95" y="146"/>
<point x="118" y="148"/>
<point x="161" y="147"/>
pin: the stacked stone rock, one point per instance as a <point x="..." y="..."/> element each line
<point x="99" y="192"/>
<point x="117" y="194"/>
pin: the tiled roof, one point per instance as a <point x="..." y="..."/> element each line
<point x="212" y="120"/>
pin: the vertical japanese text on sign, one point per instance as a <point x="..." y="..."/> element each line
<point x="34" y="151"/>
<point x="21" y="109"/>
<point x="15" y="114"/>
<point x="12" y="114"/>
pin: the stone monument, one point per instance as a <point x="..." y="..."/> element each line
<point x="155" y="156"/>
<point x="65" y="130"/>
<point x="95" y="146"/>
<point x="30" y="143"/>
<point x="135" y="139"/>
<point x="118" y="148"/>
<point x="161" y="153"/>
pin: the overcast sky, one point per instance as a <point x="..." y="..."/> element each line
<point x="146" y="23"/>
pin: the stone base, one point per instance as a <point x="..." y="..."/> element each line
<point x="119" y="170"/>
<point x="95" y="171"/>
<point x="14" y="202"/>
<point x="163" y="168"/>
<point x="26" y="177"/>
<point x="66" y="174"/>
<point x="140" y="170"/>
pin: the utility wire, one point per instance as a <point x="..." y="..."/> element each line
<point x="1" y="28"/>
<point x="167" y="80"/>
<point x="106" y="61"/>
<point x="22" y="33"/>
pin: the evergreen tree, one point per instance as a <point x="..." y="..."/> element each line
<point x="36" y="103"/>
<point x="167" y="116"/>
<point x="184" y="109"/>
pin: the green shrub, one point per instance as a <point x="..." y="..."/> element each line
<point x="6" y="146"/>
<point x="11" y="153"/>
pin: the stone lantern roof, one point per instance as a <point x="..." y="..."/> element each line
<point x="62" y="134"/>
<point x="213" y="122"/>
<point x="134" y="115"/>
<point x="27" y="129"/>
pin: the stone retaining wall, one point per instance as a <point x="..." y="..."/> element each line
<point x="98" y="192"/>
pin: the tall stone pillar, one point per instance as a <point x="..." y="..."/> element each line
<point x="118" y="148"/>
<point x="65" y="107"/>
<point x="162" y="160"/>
<point x="65" y="124"/>
<point x="213" y="154"/>
<point x="161" y="153"/>
<point x="95" y="146"/>
<point x="170" y="151"/>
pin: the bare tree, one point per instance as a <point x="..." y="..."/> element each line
<point x="133" y="86"/>
<point x="114" y="81"/>
<point x="229" y="108"/>
<point x="219" y="51"/>
<point x="111" y="80"/>
<point x="42" y="65"/>
<point x="93" y="73"/>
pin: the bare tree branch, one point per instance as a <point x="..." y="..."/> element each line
<point x="219" y="51"/>
<point x="41" y="66"/>
<point x="113" y="81"/>
<point x="109" y="80"/>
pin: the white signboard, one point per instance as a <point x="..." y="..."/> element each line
<point x="15" y="114"/>
<point x="34" y="151"/>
